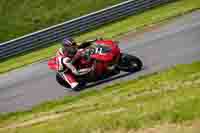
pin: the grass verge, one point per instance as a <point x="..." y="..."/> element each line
<point x="38" y="14"/>
<point x="171" y="96"/>
<point x="108" y="31"/>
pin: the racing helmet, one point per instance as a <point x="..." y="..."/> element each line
<point x="68" y="42"/>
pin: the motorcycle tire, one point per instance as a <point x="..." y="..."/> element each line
<point x="130" y="63"/>
<point x="61" y="81"/>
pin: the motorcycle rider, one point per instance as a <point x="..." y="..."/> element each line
<point x="69" y="54"/>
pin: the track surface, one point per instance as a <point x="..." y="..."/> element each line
<point x="174" y="43"/>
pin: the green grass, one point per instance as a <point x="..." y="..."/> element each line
<point x="21" y="17"/>
<point x="108" y="31"/>
<point x="171" y="96"/>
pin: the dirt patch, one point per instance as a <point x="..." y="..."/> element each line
<point x="32" y="122"/>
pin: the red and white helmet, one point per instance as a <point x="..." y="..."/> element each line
<point x="68" y="42"/>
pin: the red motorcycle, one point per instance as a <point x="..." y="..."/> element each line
<point x="102" y="55"/>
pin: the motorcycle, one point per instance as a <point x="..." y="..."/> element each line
<point x="101" y="53"/>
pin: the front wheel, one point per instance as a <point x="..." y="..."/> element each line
<point x="61" y="81"/>
<point x="130" y="63"/>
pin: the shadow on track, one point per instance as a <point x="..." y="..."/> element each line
<point x="106" y="80"/>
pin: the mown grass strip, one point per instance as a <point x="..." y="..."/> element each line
<point x="108" y="31"/>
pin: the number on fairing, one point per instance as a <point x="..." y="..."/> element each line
<point x="98" y="50"/>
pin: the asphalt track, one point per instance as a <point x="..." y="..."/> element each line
<point x="174" y="43"/>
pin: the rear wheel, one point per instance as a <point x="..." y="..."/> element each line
<point x="130" y="63"/>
